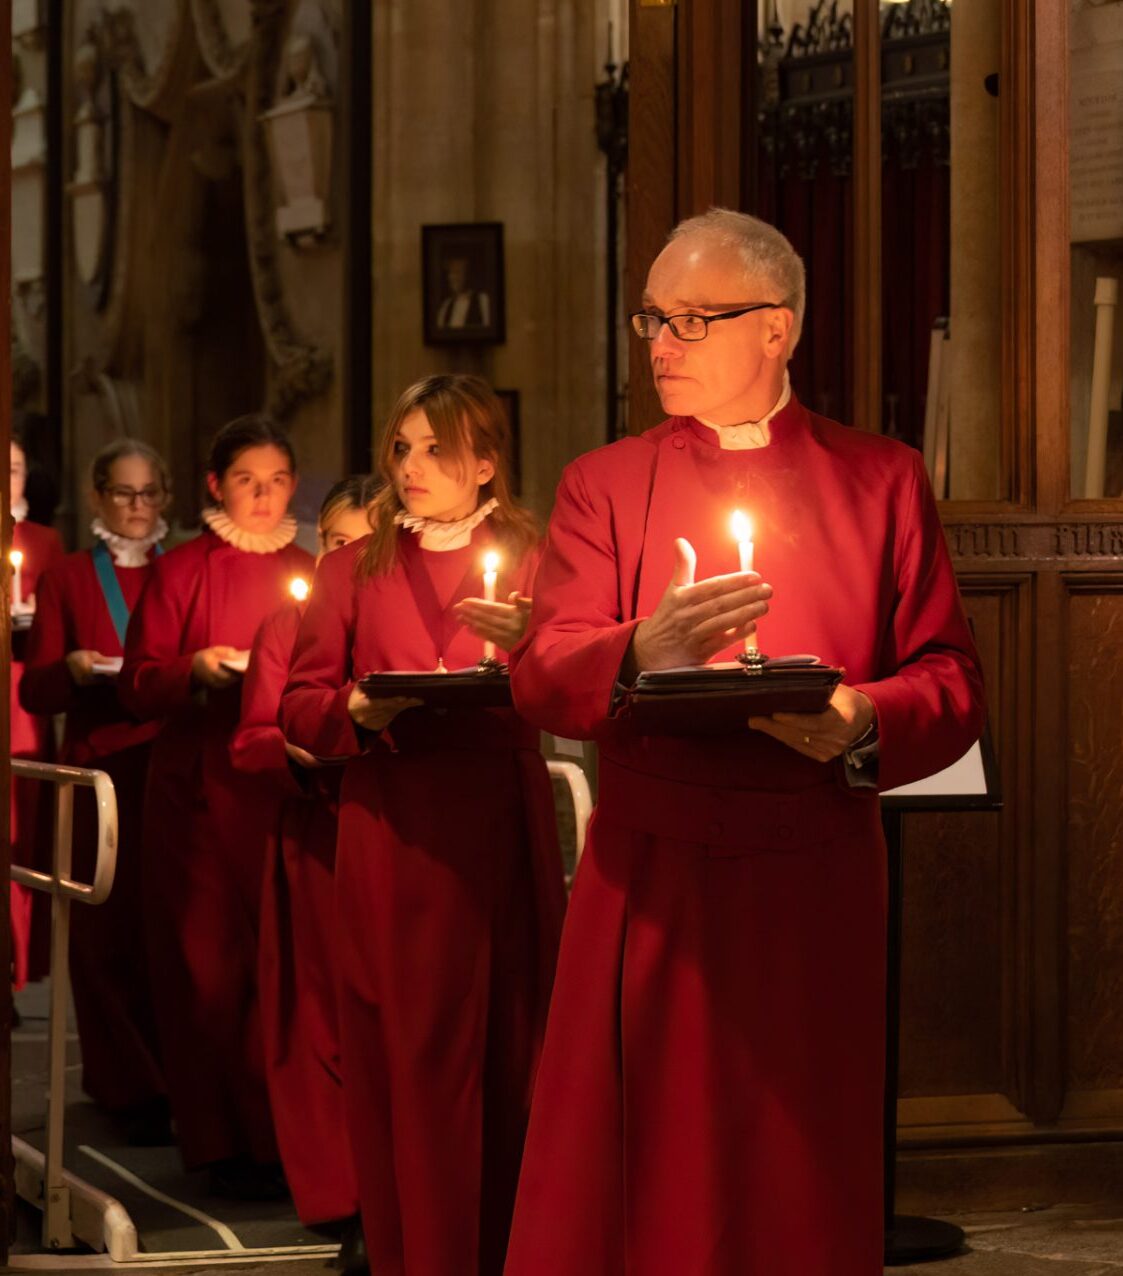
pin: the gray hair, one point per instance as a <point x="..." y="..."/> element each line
<point x="765" y="253"/>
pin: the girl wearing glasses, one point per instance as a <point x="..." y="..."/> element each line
<point x="37" y="548"/>
<point x="204" y="841"/>
<point x="73" y="653"/>
<point x="297" y="952"/>
<point x="448" y="877"/>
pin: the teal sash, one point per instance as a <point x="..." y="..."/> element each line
<point x="111" y="589"/>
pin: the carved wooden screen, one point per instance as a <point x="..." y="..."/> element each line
<point x="1012" y="1036"/>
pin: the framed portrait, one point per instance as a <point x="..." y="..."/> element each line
<point x="462" y="276"/>
<point x="510" y="401"/>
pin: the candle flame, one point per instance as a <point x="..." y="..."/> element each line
<point x="299" y="587"/>
<point x="491" y="562"/>
<point x="742" y="526"/>
<point x="16" y="558"/>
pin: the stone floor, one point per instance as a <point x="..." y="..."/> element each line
<point x="1069" y="1240"/>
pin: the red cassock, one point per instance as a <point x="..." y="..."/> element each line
<point x="449" y="896"/>
<point x="204" y="841"/>
<point x="710" y="1095"/>
<point x="296" y="965"/>
<point x="108" y="966"/>
<point x="31" y="801"/>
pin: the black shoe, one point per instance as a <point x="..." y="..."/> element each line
<point x="352" y="1258"/>
<point x="240" y="1180"/>
<point x="148" y="1125"/>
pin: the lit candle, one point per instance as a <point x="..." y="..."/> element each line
<point x="743" y="534"/>
<point x="491" y="577"/>
<point x="16" y="559"/>
<point x="298" y="587"/>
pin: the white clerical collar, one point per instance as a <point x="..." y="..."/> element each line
<point x="226" y="529"/>
<point x="748" y="434"/>
<point x="440" y="536"/>
<point x="129" y="551"/>
<point x="19" y="511"/>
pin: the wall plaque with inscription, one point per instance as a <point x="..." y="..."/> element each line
<point x="1096" y="138"/>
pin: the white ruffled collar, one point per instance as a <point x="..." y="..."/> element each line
<point x="129" y="551"/>
<point x="750" y="434"/>
<point x="19" y="511"/>
<point x="226" y="529"/>
<point x="441" y="536"/>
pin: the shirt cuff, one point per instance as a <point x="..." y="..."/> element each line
<point x="860" y="761"/>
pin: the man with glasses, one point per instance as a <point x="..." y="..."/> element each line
<point x="709" y="1099"/>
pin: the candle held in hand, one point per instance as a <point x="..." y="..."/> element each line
<point x="299" y="588"/>
<point x="16" y="559"/>
<point x="743" y="534"/>
<point x="491" y="577"/>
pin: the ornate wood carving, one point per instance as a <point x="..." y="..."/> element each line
<point x="1035" y="542"/>
<point x="143" y="41"/>
<point x="302" y="369"/>
<point x="224" y="54"/>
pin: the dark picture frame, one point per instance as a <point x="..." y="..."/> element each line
<point x="510" y="401"/>
<point x="464" y="298"/>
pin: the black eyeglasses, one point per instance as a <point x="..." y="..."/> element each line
<point x="690" y="327"/>
<point x="122" y="496"/>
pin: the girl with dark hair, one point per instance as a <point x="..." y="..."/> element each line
<point x="73" y="652"/>
<point x="204" y="844"/>
<point x="35" y="548"/>
<point x="448" y="878"/>
<point x="297" y="945"/>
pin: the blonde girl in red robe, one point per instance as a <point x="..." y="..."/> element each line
<point x="39" y="548"/>
<point x="297" y="954"/>
<point x="448" y="878"/>
<point x="204" y="840"/>
<point x="82" y="613"/>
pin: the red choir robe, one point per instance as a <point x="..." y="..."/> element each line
<point x="710" y="1095"/>
<point x="296" y="957"/>
<point x="204" y="841"/>
<point x="30" y="737"/>
<point x="449" y="896"/>
<point x="108" y="966"/>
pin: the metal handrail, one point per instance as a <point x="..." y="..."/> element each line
<point x="63" y="890"/>
<point x="579" y="791"/>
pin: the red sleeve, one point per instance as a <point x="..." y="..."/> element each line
<point x="258" y="745"/>
<point x="46" y="686"/>
<point x="931" y="710"/>
<point x="314" y="713"/>
<point x="156" y="678"/>
<point x="564" y="672"/>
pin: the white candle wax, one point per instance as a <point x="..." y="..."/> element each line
<point x="16" y="558"/>
<point x="743" y="531"/>
<point x="491" y="577"/>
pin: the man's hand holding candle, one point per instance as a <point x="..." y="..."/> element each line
<point x="822" y="736"/>
<point x="501" y="623"/>
<point x="693" y="622"/>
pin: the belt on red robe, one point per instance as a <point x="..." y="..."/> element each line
<point x="736" y="820"/>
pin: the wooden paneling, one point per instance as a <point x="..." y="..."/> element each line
<point x="867" y="216"/>
<point x="650" y="190"/>
<point x="1012" y="1005"/>
<point x="1094" y="878"/>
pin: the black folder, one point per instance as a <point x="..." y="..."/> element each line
<point x="473" y="688"/>
<point x="708" y="699"/>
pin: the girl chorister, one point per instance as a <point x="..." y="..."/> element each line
<point x="73" y="652"/>
<point x="204" y="842"/>
<point x="35" y="548"/>
<point x="448" y="879"/>
<point x="297" y="953"/>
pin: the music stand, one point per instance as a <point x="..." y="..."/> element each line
<point x="971" y="784"/>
